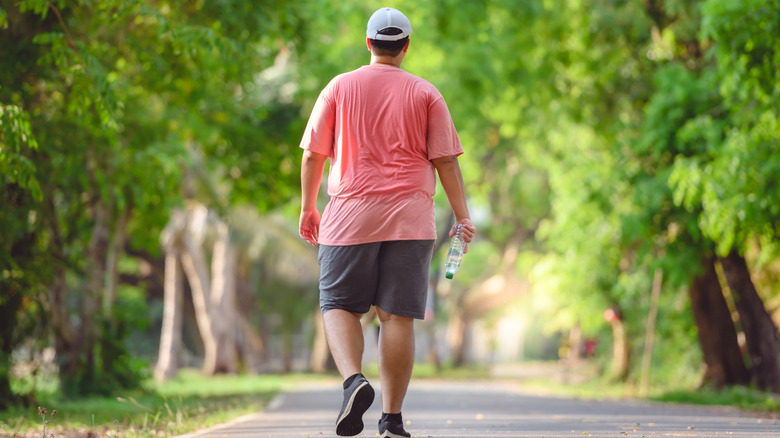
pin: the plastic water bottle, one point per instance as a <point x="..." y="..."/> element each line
<point x="454" y="254"/>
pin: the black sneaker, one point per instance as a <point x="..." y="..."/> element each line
<point x="392" y="429"/>
<point x="358" y="396"/>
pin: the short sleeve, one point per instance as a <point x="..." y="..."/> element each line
<point x="442" y="138"/>
<point x="319" y="133"/>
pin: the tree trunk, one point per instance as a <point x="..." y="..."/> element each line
<point x="248" y="340"/>
<point x="214" y="301"/>
<point x="620" y="350"/>
<point x="575" y="340"/>
<point x="223" y="299"/>
<point x="194" y="264"/>
<point x="573" y="356"/>
<point x="63" y="332"/>
<point x="647" y="355"/>
<point x="249" y="344"/>
<point x="321" y="359"/>
<point x="760" y="330"/>
<point x="57" y="303"/>
<point x="80" y="372"/>
<point x="170" y="337"/>
<point x="9" y="306"/>
<point x="112" y="336"/>
<point x="717" y="336"/>
<point x="114" y="252"/>
<point x="458" y="329"/>
<point x="287" y="352"/>
<point x="429" y="325"/>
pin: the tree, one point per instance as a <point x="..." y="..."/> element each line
<point x="213" y="294"/>
<point x="22" y="252"/>
<point x="611" y="104"/>
<point x="728" y="184"/>
<point x="170" y="335"/>
<point x="760" y="331"/>
<point x="124" y="99"/>
<point x="605" y="141"/>
<point x="672" y="113"/>
<point x="717" y="336"/>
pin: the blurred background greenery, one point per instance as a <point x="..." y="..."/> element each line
<point x="622" y="165"/>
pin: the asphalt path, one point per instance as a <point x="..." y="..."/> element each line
<point x="496" y="409"/>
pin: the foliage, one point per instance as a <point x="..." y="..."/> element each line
<point x="735" y="178"/>
<point x="112" y="113"/>
<point x="603" y="139"/>
<point x="650" y="125"/>
<point x="17" y="136"/>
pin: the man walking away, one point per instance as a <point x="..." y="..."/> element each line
<point x="387" y="134"/>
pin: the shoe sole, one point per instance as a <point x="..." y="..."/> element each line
<point x="350" y="423"/>
<point x="388" y="434"/>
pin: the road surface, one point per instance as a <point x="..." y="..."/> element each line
<point x="496" y="409"/>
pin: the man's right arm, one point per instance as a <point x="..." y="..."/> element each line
<point x="452" y="181"/>
<point x="312" y="168"/>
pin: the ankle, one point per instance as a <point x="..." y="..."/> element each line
<point x="394" y="418"/>
<point x="351" y="379"/>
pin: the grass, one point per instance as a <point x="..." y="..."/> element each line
<point x="189" y="402"/>
<point x="748" y="399"/>
<point x="682" y="391"/>
<point x="446" y="372"/>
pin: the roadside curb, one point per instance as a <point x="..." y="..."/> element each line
<point x="274" y="403"/>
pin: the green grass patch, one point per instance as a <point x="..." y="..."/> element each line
<point x="593" y="389"/>
<point x="741" y="397"/>
<point x="189" y="402"/>
<point x="429" y="371"/>
<point x="602" y="388"/>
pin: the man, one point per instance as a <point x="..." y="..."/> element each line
<point x="385" y="132"/>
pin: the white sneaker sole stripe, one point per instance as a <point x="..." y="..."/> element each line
<point x="350" y="402"/>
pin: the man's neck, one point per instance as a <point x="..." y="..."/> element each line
<point x="387" y="60"/>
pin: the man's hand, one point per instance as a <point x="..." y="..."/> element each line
<point x="467" y="231"/>
<point x="309" y="225"/>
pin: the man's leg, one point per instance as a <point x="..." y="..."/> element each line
<point x="396" y="359"/>
<point x="345" y="339"/>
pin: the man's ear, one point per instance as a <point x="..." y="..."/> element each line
<point x="406" y="46"/>
<point x="368" y="43"/>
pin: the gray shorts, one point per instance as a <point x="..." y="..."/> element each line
<point x="391" y="275"/>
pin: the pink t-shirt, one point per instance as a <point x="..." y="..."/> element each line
<point x="380" y="126"/>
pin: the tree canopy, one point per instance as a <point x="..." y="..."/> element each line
<point x="605" y="141"/>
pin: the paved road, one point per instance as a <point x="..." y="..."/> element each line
<point x="487" y="410"/>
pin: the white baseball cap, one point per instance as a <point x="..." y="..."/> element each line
<point x="386" y="18"/>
